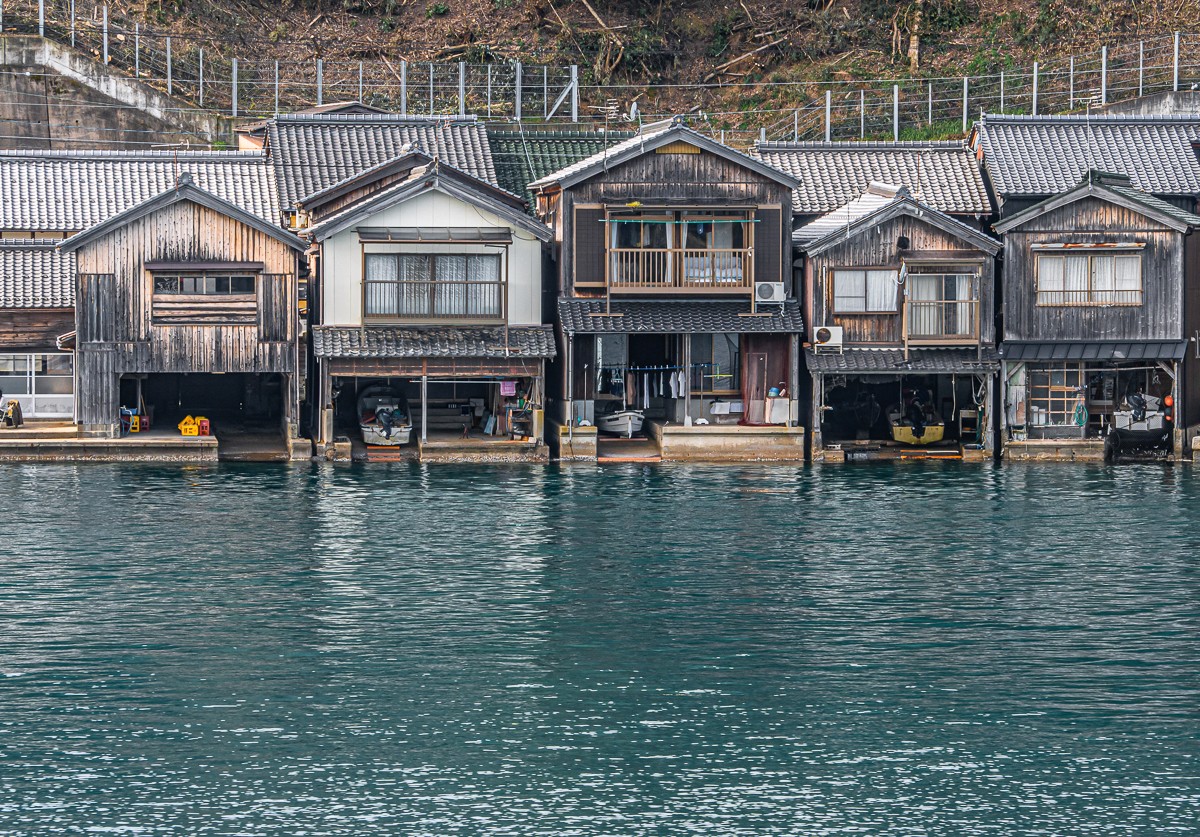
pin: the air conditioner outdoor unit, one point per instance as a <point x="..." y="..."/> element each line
<point x="769" y="292"/>
<point x="827" y="339"/>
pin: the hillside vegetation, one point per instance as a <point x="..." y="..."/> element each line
<point x="655" y="46"/>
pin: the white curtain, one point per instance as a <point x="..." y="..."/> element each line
<point x="1104" y="280"/>
<point x="484" y="294"/>
<point x="924" y="311"/>
<point x="450" y="296"/>
<point x="381" y="285"/>
<point x="881" y="290"/>
<point x="415" y="285"/>
<point x="1075" y="279"/>
<point x="1128" y="284"/>
<point x="964" y="321"/>
<point x="1050" y="280"/>
<point x="849" y="291"/>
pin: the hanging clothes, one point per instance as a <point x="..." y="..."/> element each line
<point x="681" y="383"/>
<point x="645" y="390"/>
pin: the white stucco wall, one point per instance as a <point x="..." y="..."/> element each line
<point x="342" y="300"/>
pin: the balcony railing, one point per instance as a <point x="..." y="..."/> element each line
<point x="943" y="321"/>
<point x="1090" y="297"/>
<point x="646" y="270"/>
<point x="423" y="301"/>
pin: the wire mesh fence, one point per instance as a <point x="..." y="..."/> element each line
<point x="205" y="74"/>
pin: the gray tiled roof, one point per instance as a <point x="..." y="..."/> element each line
<point x="434" y="341"/>
<point x="1099" y="351"/>
<point x="892" y="361"/>
<point x="876" y="197"/>
<point x="36" y="274"/>
<point x="677" y="316"/>
<point x="943" y="175"/>
<point x="311" y="152"/>
<point x="1045" y="155"/>
<point x="72" y="190"/>
<point x="1112" y="187"/>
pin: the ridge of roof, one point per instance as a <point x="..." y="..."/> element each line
<point x="132" y="156"/>
<point x="376" y="119"/>
<point x="861" y="145"/>
<point x="1084" y="119"/>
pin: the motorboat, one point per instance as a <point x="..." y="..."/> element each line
<point x="1142" y="424"/>
<point x="623" y="422"/>
<point x="383" y="416"/>
<point x="915" y="424"/>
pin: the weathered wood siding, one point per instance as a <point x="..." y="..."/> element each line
<point x="683" y="180"/>
<point x="121" y="330"/>
<point x="1095" y="221"/>
<point x="34" y="329"/>
<point x="877" y="248"/>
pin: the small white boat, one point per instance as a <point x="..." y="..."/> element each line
<point x="621" y="422"/>
<point x="383" y="416"/>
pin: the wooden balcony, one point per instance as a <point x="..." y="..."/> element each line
<point x="677" y="270"/>
<point x="941" y="322"/>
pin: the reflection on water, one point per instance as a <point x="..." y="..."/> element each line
<point x="926" y="649"/>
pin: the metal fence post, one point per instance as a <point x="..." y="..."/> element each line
<point x="965" y="88"/>
<point x="795" y="126"/>
<point x="137" y="50"/>
<point x="72" y="23"/>
<point x="170" y="75"/>
<point x="1071" y="94"/>
<point x="489" y="94"/>
<point x="1175" y="83"/>
<point x="41" y="18"/>
<point x="1035" y="87"/>
<point x="895" y="113"/>
<point x="233" y="105"/>
<point x="431" y="88"/>
<point x="106" y="35"/>
<point x="320" y="82"/>
<point x="517" y="92"/>
<point x="574" y="92"/>
<point x="1141" y="64"/>
<point x="1104" y="75"/>
<point x="929" y="116"/>
<point x="462" y="88"/>
<point x="545" y="92"/>
<point x="1002" y="91"/>
<point x="828" y="114"/>
<point x="277" y="87"/>
<point x="360" y="81"/>
<point x="862" y="113"/>
<point x="201" y="78"/>
<point x="404" y="88"/>
<point x="1" y="16"/>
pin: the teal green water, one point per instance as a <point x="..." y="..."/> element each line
<point x="922" y="650"/>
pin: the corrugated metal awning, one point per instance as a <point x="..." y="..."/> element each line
<point x="1102" y="351"/>
<point x="428" y="234"/>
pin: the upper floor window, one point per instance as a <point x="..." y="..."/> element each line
<point x="433" y="286"/>
<point x="680" y="249"/>
<point x="1089" y="277"/>
<point x="865" y="291"/>
<point x="942" y="305"/>
<point x="203" y="284"/>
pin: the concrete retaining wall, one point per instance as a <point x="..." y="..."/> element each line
<point x="729" y="443"/>
<point x="53" y="97"/>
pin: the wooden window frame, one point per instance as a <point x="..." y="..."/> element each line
<point x="866" y="269"/>
<point x="432" y="317"/>
<point x="1114" y="252"/>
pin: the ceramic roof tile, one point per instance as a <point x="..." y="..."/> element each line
<point x="943" y="175"/>
<point x="434" y="341"/>
<point x="311" y="152"/>
<point x="521" y="157"/>
<point x="36" y="274"/>
<point x="677" y="316"/>
<point x="70" y="191"/>
<point x="876" y="197"/>
<point x="893" y="362"/>
<point x="1045" y="155"/>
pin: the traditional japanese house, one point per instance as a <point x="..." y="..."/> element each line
<point x="428" y="282"/>
<point x="676" y="305"/>
<point x="1099" y="282"/>
<point x="37" y="305"/>
<point x="1100" y="276"/>
<point x="899" y="297"/>
<point x="51" y="195"/>
<point x="186" y="304"/>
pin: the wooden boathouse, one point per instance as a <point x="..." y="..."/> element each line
<point x="187" y="304"/>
